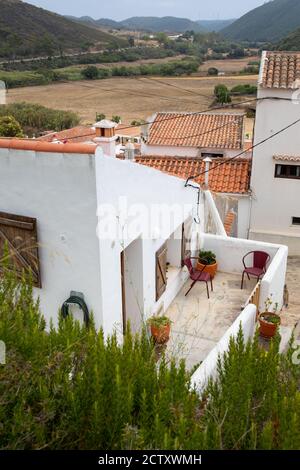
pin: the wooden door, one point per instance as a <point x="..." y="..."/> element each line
<point x="161" y="271"/>
<point x="19" y="246"/>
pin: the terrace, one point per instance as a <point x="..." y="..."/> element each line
<point x="199" y="323"/>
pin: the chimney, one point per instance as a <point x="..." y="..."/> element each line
<point x="106" y="136"/>
<point x="207" y="161"/>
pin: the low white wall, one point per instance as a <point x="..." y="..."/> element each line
<point x="208" y="368"/>
<point x="230" y="253"/>
<point x="212" y="211"/>
<point x="272" y="285"/>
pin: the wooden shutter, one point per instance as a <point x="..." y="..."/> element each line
<point x="19" y="235"/>
<point x="161" y="271"/>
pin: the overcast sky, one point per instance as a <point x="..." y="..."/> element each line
<point x="121" y="9"/>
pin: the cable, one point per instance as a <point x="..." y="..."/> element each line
<point x="244" y="152"/>
<point x="172" y="86"/>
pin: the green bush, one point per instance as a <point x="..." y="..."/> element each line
<point x="244" y="90"/>
<point x="35" y="119"/>
<point x="9" y="127"/>
<point x="222" y="94"/>
<point x="212" y="71"/>
<point x="70" y="388"/>
<point x="90" y="73"/>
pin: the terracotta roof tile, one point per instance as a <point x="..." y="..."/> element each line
<point x="280" y="70"/>
<point x="233" y="176"/>
<point x="206" y="130"/>
<point x="81" y="134"/>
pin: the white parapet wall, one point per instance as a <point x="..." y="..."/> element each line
<point x="213" y="213"/>
<point x="209" y="367"/>
<point x="230" y="252"/>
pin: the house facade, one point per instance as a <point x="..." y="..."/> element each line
<point x="275" y="179"/>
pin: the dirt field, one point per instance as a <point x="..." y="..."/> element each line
<point x="130" y="98"/>
<point x="228" y="65"/>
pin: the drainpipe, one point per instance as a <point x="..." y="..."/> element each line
<point x="207" y="161"/>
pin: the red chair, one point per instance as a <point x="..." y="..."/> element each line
<point x="258" y="269"/>
<point x="198" y="276"/>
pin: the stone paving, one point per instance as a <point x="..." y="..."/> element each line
<point x="199" y="323"/>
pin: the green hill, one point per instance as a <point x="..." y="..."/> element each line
<point x="26" y="30"/>
<point x="270" y="22"/>
<point x="291" y="42"/>
<point x="168" y="24"/>
<point x="215" y="25"/>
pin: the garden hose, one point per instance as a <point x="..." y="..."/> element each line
<point x="81" y="303"/>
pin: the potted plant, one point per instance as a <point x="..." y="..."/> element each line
<point x="160" y="327"/>
<point x="207" y="262"/>
<point x="269" y="321"/>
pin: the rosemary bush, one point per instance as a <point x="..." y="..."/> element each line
<point x="69" y="388"/>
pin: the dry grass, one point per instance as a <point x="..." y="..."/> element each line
<point x="129" y="98"/>
<point x="228" y="65"/>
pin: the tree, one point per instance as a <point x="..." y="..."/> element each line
<point x="116" y="119"/>
<point x="222" y="94"/>
<point x="162" y="38"/>
<point x="212" y="71"/>
<point x="9" y="127"/>
<point x="100" y="117"/>
<point x="131" y="41"/>
<point x="90" y="73"/>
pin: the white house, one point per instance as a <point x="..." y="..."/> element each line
<point x="112" y="233"/>
<point x="275" y="180"/>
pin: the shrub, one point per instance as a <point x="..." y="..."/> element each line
<point x="35" y="119"/>
<point x="70" y="388"/>
<point x="90" y="73"/>
<point x="222" y="94"/>
<point x="244" y="90"/>
<point x="212" y="71"/>
<point x="9" y="127"/>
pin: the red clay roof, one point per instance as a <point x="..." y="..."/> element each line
<point x="280" y="70"/>
<point x="206" y="130"/>
<point x="233" y="176"/>
<point x="87" y="133"/>
<point x="38" y="146"/>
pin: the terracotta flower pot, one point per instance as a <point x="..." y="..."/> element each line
<point x="161" y="334"/>
<point x="209" y="268"/>
<point x="268" y="329"/>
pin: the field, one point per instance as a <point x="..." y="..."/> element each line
<point x="228" y="65"/>
<point x="130" y="98"/>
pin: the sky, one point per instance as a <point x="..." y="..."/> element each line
<point x="122" y="9"/>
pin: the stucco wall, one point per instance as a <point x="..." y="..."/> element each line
<point x="275" y="200"/>
<point x="180" y="151"/>
<point x="143" y="188"/>
<point x="208" y="368"/>
<point x="59" y="190"/>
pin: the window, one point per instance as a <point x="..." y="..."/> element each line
<point x="211" y="155"/>
<point x="287" y="171"/>
<point x="296" y="220"/>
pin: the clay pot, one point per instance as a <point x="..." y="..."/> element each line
<point x="267" y="329"/>
<point x="161" y="334"/>
<point x="209" y="268"/>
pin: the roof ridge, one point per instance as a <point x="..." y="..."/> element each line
<point x="48" y="147"/>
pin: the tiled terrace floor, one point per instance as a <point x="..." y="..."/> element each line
<point x="199" y="323"/>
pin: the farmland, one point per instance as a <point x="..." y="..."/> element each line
<point x="131" y="98"/>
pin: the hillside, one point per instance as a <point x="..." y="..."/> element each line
<point x="168" y="24"/>
<point x="291" y="42"/>
<point x="26" y="30"/>
<point x="215" y="25"/>
<point x="270" y="22"/>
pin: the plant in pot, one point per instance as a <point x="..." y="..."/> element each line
<point x="269" y="320"/>
<point x="160" y="327"/>
<point x="207" y="262"/>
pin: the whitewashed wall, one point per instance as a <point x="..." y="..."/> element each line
<point x="59" y="190"/>
<point x="275" y="200"/>
<point x="230" y="253"/>
<point x="181" y="151"/>
<point x="208" y="368"/>
<point x="146" y="187"/>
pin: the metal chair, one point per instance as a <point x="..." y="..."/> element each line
<point x="198" y="276"/>
<point x="258" y="269"/>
